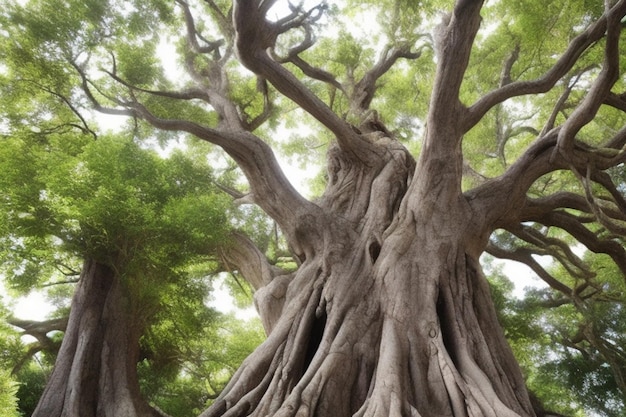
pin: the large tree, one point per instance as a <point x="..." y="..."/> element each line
<point x="388" y="312"/>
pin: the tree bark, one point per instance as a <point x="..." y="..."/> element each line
<point x="95" y="374"/>
<point x="390" y="314"/>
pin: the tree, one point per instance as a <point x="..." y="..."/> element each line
<point x="388" y="311"/>
<point x="137" y="222"/>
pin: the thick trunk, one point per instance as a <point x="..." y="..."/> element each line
<point x="95" y="372"/>
<point x="390" y="315"/>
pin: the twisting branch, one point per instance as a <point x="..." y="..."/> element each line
<point x="39" y="330"/>
<point x="598" y="211"/>
<point x="189" y="94"/>
<point x="84" y="126"/>
<point x="556" y="248"/>
<point x="601" y="87"/>
<point x="298" y="16"/>
<point x="572" y="225"/>
<point x="540" y="159"/>
<point x="245" y="257"/>
<point x="193" y="35"/>
<point x="524" y="255"/>
<point x="563" y="99"/>
<point x="309" y="70"/>
<point x="616" y="101"/>
<point x="255" y="36"/>
<point x="364" y="90"/>
<point x="85" y="85"/>
<point x="564" y="64"/>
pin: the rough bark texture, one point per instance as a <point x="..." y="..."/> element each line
<point x="391" y="316"/>
<point x="95" y="374"/>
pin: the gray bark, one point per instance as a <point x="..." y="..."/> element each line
<point x="95" y="374"/>
<point x="390" y="313"/>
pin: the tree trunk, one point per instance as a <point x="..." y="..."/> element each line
<point x="391" y="315"/>
<point x="95" y="374"/>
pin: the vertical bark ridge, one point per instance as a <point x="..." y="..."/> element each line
<point x="388" y="315"/>
<point x="96" y="371"/>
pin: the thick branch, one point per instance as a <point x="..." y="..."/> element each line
<point x="560" y="104"/>
<point x="39" y="330"/>
<point x="270" y="188"/>
<point x="572" y="225"/>
<point x="505" y="195"/>
<point x="579" y="44"/>
<point x="599" y="90"/>
<point x="245" y="257"/>
<point x="454" y="40"/>
<point x="255" y="35"/>
<point x="556" y="248"/>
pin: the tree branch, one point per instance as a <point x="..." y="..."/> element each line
<point x="193" y="35"/>
<point x="560" y="104"/>
<point x="454" y="39"/>
<point x="255" y="35"/>
<point x="84" y="127"/>
<point x="39" y="330"/>
<point x="525" y="256"/>
<point x="579" y="44"/>
<point x="309" y="70"/>
<point x="244" y="256"/>
<point x="280" y="200"/>
<point x="569" y="223"/>
<point x="365" y="89"/>
<point x="601" y="87"/>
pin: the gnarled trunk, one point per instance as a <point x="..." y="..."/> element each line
<point x="389" y="315"/>
<point x="95" y="374"/>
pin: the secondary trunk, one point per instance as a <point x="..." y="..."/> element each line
<point x="390" y="314"/>
<point x="95" y="374"/>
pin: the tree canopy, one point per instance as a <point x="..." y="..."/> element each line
<point x="450" y="129"/>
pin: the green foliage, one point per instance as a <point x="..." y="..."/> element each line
<point x="8" y="399"/>
<point x="110" y="200"/>
<point x="198" y="368"/>
<point x="569" y="352"/>
<point x="10" y="350"/>
<point x="32" y="382"/>
<point x="531" y="344"/>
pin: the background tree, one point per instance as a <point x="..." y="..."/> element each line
<point x="119" y="209"/>
<point x="388" y="311"/>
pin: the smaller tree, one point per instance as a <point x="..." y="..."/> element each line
<point x="136" y="222"/>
